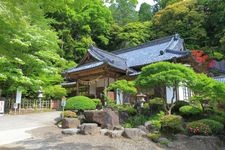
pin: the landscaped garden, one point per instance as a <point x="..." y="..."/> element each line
<point x="160" y="121"/>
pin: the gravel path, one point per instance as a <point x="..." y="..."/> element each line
<point x="13" y="127"/>
<point x="50" y="138"/>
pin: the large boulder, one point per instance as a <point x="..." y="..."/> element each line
<point x="106" y="118"/>
<point x="89" y="128"/>
<point x="133" y="133"/>
<point x="70" y="123"/>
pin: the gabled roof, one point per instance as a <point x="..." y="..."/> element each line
<point x="163" y="49"/>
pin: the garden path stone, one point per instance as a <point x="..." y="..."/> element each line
<point x="70" y="131"/>
<point x="115" y="133"/>
<point x="103" y="131"/>
<point x="89" y="128"/>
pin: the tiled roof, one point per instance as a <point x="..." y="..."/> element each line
<point x="163" y="49"/>
<point x="84" y="67"/>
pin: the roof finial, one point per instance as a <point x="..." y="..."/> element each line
<point x="176" y="36"/>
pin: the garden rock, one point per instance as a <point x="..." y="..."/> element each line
<point x="143" y="128"/>
<point x="123" y="116"/>
<point x="149" y="126"/>
<point x="133" y="133"/>
<point x="70" y="123"/>
<point x="103" y="131"/>
<point x="115" y="133"/>
<point x="119" y="127"/>
<point x="106" y="118"/>
<point x="89" y="128"/>
<point x="71" y="131"/>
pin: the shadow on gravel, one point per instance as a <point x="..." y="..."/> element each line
<point x="12" y="148"/>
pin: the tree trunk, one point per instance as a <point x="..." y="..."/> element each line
<point x="170" y="106"/>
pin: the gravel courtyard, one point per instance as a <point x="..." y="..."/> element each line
<point x="50" y="138"/>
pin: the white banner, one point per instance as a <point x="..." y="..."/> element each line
<point x="2" y="105"/>
<point x="18" y="96"/>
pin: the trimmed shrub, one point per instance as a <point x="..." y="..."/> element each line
<point x="215" y="126"/>
<point x="80" y="103"/>
<point x="178" y="105"/>
<point x="127" y="108"/>
<point x="198" y="128"/>
<point x="154" y="136"/>
<point x="172" y="123"/>
<point x="155" y="105"/>
<point x="69" y="114"/>
<point x="218" y="118"/>
<point x="98" y="103"/>
<point x="156" y="101"/>
<point x="155" y="120"/>
<point x="189" y="110"/>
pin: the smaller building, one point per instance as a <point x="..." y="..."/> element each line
<point x="99" y="68"/>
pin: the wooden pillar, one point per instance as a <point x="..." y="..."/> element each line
<point x="77" y="90"/>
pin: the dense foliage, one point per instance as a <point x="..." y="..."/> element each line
<point x="29" y="51"/>
<point x="80" y="103"/>
<point x="172" y="123"/>
<point x="39" y="39"/>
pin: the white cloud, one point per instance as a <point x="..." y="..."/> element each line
<point x="151" y="2"/>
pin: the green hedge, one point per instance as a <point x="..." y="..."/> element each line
<point x="189" y="110"/>
<point x="80" y="103"/>
<point x="172" y="123"/>
<point x="218" y="118"/>
<point x="215" y="126"/>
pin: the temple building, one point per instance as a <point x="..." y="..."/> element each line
<point x="99" y="68"/>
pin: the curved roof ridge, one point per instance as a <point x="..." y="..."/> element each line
<point x="146" y="44"/>
<point x="104" y="51"/>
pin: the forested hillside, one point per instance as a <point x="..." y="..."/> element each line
<point x="41" y="38"/>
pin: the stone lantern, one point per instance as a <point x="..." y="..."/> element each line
<point x="40" y="96"/>
<point x="141" y="99"/>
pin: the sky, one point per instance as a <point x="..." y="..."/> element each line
<point x="142" y="1"/>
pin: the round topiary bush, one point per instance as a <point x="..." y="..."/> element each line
<point x="189" y="110"/>
<point x="215" y="126"/>
<point x="198" y="128"/>
<point x="80" y="103"/>
<point x="172" y="123"/>
<point x="178" y="105"/>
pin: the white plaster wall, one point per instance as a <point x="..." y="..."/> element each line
<point x="119" y="97"/>
<point x="169" y="94"/>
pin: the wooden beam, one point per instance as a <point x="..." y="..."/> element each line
<point x="77" y="90"/>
